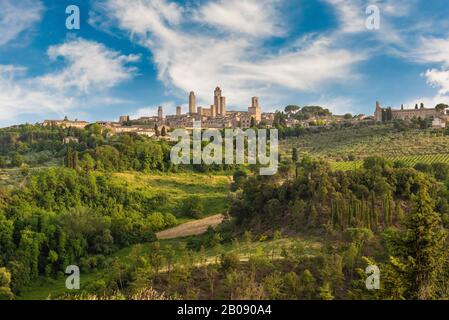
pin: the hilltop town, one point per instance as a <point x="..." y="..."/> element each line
<point x="214" y="117"/>
<point x="218" y="117"/>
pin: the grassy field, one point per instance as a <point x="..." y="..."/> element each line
<point x="211" y="189"/>
<point x="356" y="144"/>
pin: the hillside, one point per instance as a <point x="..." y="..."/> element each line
<point x="133" y="222"/>
<point x="346" y="148"/>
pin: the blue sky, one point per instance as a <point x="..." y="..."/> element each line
<point x="131" y="56"/>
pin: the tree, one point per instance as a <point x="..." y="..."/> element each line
<point x="229" y="261"/>
<point x="5" y="283"/>
<point x="239" y="177"/>
<point x="422" y="247"/>
<point x="307" y="285"/>
<point x="2" y="162"/>
<point x="291" y="108"/>
<point x="24" y="169"/>
<point x="441" y="171"/>
<point x="163" y="131"/>
<point x="192" y="207"/>
<point x="253" y="122"/>
<point x="291" y="285"/>
<point x="156" y="130"/>
<point x="16" y="159"/>
<point x="325" y="292"/>
<point x="348" y="116"/>
<point x="441" y="107"/>
<point x="295" y="156"/>
<point x="75" y="160"/>
<point x="69" y="157"/>
<point x="87" y="162"/>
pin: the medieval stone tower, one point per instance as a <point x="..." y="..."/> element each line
<point x="160" y="113"/>
<point x="217" y="101"/>
<point x="192" y="103"/>
<point x="254" y="110"/>
<point x="378" y="112"/>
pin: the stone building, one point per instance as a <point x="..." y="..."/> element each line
<point x="388" y="114"/>
<point x="123" y="119"/>
<point x="66" y="123"/>
<point x="267" y="118"/>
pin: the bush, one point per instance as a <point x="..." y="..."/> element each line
<point x="229" y="261"/>
<point x="193" y="207"/>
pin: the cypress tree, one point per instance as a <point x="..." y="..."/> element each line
<point x="69" y="157"/>
<point x="75" y="160"/>
<point x="295" y="156"/>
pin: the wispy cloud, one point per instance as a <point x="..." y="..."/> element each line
<point x="230" y="52"/>
<point x="90" y="66"/>
<point x="90" y="69"/>
<point x="255" y="18"/>
<point x="18" y="16"/>
<point x="169" y="108"/>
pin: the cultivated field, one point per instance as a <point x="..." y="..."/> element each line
<point x="356" y="144"/>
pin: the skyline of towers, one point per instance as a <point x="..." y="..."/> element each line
<point x="218" y="109"/>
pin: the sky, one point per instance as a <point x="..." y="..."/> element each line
<point x="130" y="56"/>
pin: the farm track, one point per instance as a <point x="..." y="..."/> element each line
<point x="191" y="228"/>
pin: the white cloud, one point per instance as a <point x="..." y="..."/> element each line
<point x="21" y="96"/>
<point x="337" y="105"/>
<point x="435" y="51"/>
<point x="148" y="111"/>
<point x="18" y="16"/>
<point x="191" y="57"/>
<point x="90" y="66"/>
<point x="352" y="17"/>
<point x="429" y="102"/>
<point x="351" y="14"/>
<point x="431" y="50"/>
<point x="438" y="79"/>
<point x="252" y="17"/>
<point x="90" y="69"/>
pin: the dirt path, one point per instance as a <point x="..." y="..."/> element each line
<point x="191" y="228"/>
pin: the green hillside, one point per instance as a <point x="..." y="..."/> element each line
<point x="359" y="143"/>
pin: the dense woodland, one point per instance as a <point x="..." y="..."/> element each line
<point x="383" y="214"/>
